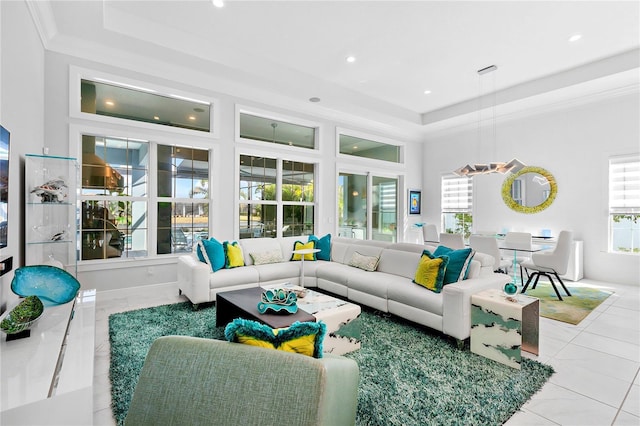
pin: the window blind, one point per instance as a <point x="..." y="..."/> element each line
<point x="457" y="194"/>
<point x="624" y="184"/>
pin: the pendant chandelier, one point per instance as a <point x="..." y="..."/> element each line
<point x="471" y="170"/>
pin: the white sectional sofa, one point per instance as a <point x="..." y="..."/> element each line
<point x="388" y="289"/>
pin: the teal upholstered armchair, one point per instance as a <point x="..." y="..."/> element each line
<point x="194" y="381"/>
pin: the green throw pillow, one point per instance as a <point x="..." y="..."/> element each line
<point x="431" y="271"/>
<point x="459" y="262"/>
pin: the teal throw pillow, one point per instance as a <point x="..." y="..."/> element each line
<point x="459" y="262"/>
<point x="324" y="245"/>
<point x="211" y="252"/>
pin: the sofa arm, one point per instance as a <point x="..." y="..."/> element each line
<point x="193" y="279"/>
<point x="456" y="303"/>
<point x="340" y="400"/>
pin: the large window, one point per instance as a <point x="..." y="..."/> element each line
<point x="457" y="205"/>
<point x="624" y="204"/>
<point x="356" y="218"/>
<point x="276" y="131"/>
<point x="116" y="199"/>
<point x="183" y="192"/>
<point x="276" y="197"/>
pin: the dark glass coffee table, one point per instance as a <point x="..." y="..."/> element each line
<point x="244" y="304"/>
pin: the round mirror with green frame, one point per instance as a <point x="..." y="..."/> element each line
<point x="530" y="190"/>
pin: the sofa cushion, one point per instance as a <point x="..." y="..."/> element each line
<point x="211" y="252"/>
<point x="233" y="255"/>
<point x="282" y="271"/>
<point x="367" y="263"/>
<point x="431" y="271"/>
<point x="407" y="293"/>
<point x="324" y="245"/>
<point x="299" y="245"/>
<point x="235" y="276"/>
<point x="459" y="261"/>
<point x="301" y="337"/>
<point x="375" y="284"/>
<point x="400" y="262"/>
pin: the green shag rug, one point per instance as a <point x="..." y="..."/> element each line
<point x="572" y="309"/>
<point x="409" y="375"/>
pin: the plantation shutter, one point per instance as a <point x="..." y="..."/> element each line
<point x="457" y="194"/>
<point x="624" y="184"/>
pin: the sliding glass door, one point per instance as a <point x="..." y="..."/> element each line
<point x="367" y="207"/>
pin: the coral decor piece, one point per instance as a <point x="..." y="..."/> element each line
<point x="278" y="300"/>
<point x="51" y="191"/>
<point x="54" y="286"/>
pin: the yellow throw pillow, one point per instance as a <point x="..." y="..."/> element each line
<point x="233" y="255"/>
<point x="302" y="337"/>
<point x="303" y="246"/>
<point x="430" y="272"/>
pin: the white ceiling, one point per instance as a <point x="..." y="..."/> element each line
<point x="297" y="49"/>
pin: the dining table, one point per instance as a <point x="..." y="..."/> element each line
<point x="523" y="249"/>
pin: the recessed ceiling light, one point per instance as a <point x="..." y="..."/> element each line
<point x="110" y="103"/>
<point x="351" y="59"/>
<point x="218" y="3"/>
<point x="426" y="92"/>
<point x="575" y="37"/>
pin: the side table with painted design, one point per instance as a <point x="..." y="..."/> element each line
<point x="501" y="327"/>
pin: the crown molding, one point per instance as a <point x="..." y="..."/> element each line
<point x="42" y="16"/>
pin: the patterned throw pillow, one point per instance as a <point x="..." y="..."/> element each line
<point x="233" y="255"/>
<point x="211" y="252"/>
<point x="368" y="263"/>
<point x="265" y="257"/>
<point x="431" y="271"/>
<point x="299" y="245"/>
<point x="324" y="245"/>
<point x="301" y="337"/>
<point x="459" y="262"/>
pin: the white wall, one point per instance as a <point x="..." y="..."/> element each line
<point x="128" y="273"/>
<point x="22" y="108"/>
<point x="574" y="144"/>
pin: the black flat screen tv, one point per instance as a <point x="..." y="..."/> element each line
<point x="4" y="185"/>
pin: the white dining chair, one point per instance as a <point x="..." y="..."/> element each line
<point x="453" y="241"/>
<point x="489" y="245"/>
<point x="430" y="233"/>
<point x="518" y="240"/>
<point x="551" y="263"/>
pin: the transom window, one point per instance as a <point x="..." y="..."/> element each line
<point x="278" y="132"/>
<point x="113" y="99"/>
<point x="366" y="148"/>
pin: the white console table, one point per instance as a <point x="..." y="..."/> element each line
<point x="47" y="378"/>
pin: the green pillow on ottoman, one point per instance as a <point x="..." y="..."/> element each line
<point x="459" y="262"/>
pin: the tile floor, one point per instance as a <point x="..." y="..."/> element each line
<point x="597" y="362"/>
